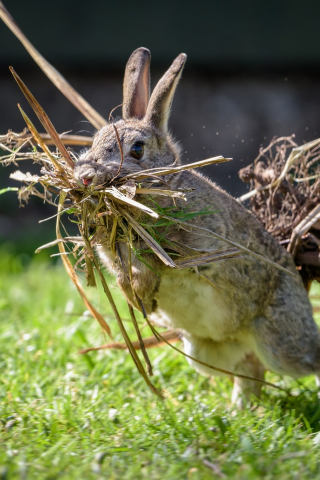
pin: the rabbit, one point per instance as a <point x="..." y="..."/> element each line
<point x="250" y="316"/>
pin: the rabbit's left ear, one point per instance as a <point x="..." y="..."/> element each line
<point x="160" y="102"/>
<point x="136" y="84"/>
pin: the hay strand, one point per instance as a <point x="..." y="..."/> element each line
<point x="171" y="336"/>
<point x="72" y="274"/>
<point x="171" y="170"/>
<point x="44" y="119"/>
<point x="39" y="140"/>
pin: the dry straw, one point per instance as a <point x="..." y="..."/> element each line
<point x="284" y="195"/>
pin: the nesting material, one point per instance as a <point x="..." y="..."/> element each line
<point x="284" y="195"/>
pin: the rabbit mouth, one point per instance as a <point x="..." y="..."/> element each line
<point x="86" y="178"/>
<point x="86" y="181"/>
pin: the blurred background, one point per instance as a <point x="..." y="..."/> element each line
<point x="253" y="72"/>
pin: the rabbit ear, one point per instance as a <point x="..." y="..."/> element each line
<point x="136" y="84"/>
<point x="160" y="102"/>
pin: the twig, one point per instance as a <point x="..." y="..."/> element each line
<point x="171" y="336"/>
<point x="44" y="119"/>
<point x="141" y="342"/>
<point x="215" y="469"/>
<point x="131" y="349"/>
<point x="121" y="152"/>
<point x="73" y="275"/>
<point x="295" y="154"/>
<point x="302" y="229"/>
<point x="39" y="140"/>
<point x="75" y="140"/>
<point x="181" y="168"/>
<point x="234" y="244"/>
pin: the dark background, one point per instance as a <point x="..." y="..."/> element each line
<point x="253" y="71"/>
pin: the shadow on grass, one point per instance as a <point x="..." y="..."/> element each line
<point x="301" y="402"/>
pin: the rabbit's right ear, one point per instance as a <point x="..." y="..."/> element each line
<point x="136" y="84"/>
<point x="160" y="102"/>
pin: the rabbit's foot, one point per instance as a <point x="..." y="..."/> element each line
<point x="245" y="390"/>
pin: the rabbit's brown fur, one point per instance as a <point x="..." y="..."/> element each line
<point x="254" y="316"/>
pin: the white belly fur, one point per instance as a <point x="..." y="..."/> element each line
<point x="210" y="333"/>
<point x="204" y="314"/>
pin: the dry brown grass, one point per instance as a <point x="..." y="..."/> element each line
<point x="284" y="195"/>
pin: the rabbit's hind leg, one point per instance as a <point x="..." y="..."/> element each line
<point x="244" y="389"/>
<point x="288" y="344"/>
<point x="234" y="356"/>
<point x="224" y="355"/>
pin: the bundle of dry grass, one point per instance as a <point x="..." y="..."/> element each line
<point x="284" y="196"/>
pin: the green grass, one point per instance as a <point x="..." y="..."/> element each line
<point x="67" y="416"/>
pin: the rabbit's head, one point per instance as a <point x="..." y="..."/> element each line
<point x="143" y="131"/>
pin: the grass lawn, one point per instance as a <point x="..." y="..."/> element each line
<point x="67" y="416"/>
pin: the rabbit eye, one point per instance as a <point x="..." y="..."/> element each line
<point x="137" y="150"/>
